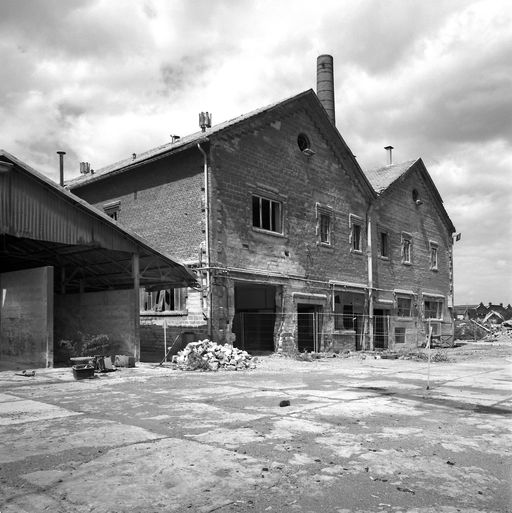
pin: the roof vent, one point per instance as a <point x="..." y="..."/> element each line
<point x="205" y="120"/>
<point x="389" y="149"/>
<point x="174" y="138"/>
<point x="85" y="168"/>
<point x="134" y="156"/>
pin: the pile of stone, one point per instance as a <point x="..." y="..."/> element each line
<point x="208" y="356"/>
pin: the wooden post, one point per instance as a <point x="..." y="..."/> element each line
<point x="136" y="308"/>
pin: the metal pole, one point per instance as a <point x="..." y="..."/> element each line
<point x="165" y="340"/>
<point x="61" y="166"/>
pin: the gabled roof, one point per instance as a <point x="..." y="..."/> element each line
<point x="308" y="98"/>
<point x="384" y="178"/>
<point x="44" y="224"/>
<point x="381" y="178"/>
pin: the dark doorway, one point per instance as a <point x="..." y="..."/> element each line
<point x="308" y="328"/>
<point x="380" y="330"/>
<point x="255" y="315"/>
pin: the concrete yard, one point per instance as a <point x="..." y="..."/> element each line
<point x="360" y="435"/>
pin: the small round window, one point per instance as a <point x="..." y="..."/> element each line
<point x="415" y="195"/>
<point x="303" y="142"/>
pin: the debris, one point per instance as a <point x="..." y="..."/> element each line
<point x="208" y="356"/>
<point x="403" y="489"/>
<point x="450" y="462"/>
<point x="26" y="373"/>
<point x="83" y="371"/>
<point x="284" y="403"/>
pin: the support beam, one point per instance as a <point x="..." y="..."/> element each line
<point x="136" y="308"/>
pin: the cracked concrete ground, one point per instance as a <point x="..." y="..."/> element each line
<point x="358" y="436"/>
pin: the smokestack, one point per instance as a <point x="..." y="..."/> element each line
<point x="61" y="166"/>
<point x="325" y="84"/>
<point x="389" y="149"/>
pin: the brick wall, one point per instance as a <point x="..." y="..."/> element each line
<point x="161" y="201"/>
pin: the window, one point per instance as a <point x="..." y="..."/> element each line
<point x="403" y="306"/>
<point x="399" y="335"/>
<point x="406" y="248"/>
<point x="112" y="209"/>
<point x="324" y="215"/>
<point x="303" y="142"/>
<point x="433" y="309"/>
<point x="163" y="300"/>
<point x="266" y="214"/>
<point x="325" y="228"/>
<point x="356" y="230"/>
<point x="348" y="311"/>
<point x="384" y="245"/>
<point x="433" y="256"/>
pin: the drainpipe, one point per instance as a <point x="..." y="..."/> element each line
<point x="369" y="253"/>
<point x="207" y="238"/>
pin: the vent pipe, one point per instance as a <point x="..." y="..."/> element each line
<point x="325" y="84"/>
<point x="61" y="166"/>
<point x="205" y="120"/>
<point x="389" y="149"/>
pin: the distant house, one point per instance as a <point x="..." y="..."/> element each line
<point x="295" y="246"/>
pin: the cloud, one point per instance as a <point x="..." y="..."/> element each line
<point x="102" y="79"/>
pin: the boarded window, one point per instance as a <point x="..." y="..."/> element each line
<point x="433" y="256"/>
<point x="384" y="245"/>
<point x="399" y="335"/>
<point x="406" y="249"/>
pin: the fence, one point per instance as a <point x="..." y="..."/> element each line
<point x="316" y="331"/>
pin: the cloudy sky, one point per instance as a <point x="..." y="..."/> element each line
<point x="101" y="79"/>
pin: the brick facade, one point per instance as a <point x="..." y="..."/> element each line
<point x="287" y="273"/>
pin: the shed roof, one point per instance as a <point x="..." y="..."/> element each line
<point x="42" y="223"/>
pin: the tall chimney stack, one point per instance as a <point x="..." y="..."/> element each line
<point x="325" y="84"/>
<point x="61" y="166"/>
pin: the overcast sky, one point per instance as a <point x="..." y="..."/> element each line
<point x="103" y="79"/>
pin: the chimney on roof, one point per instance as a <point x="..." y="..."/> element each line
<point x="325" y="84"/>
<point x="61" y="166"/>
<point x="205" y="121"/>
<point x="389" y="149"/>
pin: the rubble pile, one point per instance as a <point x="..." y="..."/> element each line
<point x="209" y="356"/>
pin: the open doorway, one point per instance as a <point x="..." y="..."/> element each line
<point x="255" y="316"/>
<point x="308" y="327"/>
<point x="381" y="328"/>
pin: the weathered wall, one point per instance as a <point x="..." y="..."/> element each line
<point x="397" y="212"/>
<point x="161" y="201"/>
<point x="26" y="318"/>
<point x="84" y="318"/>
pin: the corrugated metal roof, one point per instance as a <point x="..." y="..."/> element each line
<point x="381" y="178"/>
<point x="33" y="208"/>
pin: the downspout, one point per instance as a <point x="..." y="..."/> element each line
<point x="369" y="254"/>
<point x="207" y="240"/>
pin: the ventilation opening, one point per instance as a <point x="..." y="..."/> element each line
<point x="303" y="142"/>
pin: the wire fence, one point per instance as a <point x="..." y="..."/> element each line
<point x="320" y="331"/>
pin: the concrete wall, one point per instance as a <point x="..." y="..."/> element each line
<point x="82" y="319"/>
<point x="26" y="318"/>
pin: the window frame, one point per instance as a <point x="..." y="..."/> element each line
<point x="272" y="201"/>
<point x="399" y="310"/>
<point x="112" y="209"/>
<point x="153" y="302"/>
<point x="355" y="220"/>
<point x="324" y="212"/>
<point x="384" y="236"/>
<point x="400" y="335"/>
<point x="439" y="308"/>
<point x="406" y="248"/>
<point x="434" y="255"/>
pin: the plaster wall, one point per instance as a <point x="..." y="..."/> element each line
<point x="26" y="318"/>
